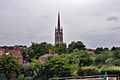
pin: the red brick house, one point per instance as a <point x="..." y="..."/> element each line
<point x="17" y="52"/>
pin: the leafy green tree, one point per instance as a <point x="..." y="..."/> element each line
<point x="111" y="70"/>
<point x="57" y="65"/>
<point x="78" y="58"/>
<point x="109" y="61"/>
<point x="99" y="50"/>
<point x="82" y="57"/>
<point x="25" y="53"/>
<point x="116" y="54"/>
<point x="30" y="54"/>
<point x="35" y="66"/>
<point x="115" y="48"/>
<point x="41" y="48"/>
<point x="60" y="48"/>
<point x="101" y="59"/>
<point x="76" y="45"/>
<point x="106" y="49"/>
<point x="88" y="71"/>
<point x="116" y="62"/>
<point x="73" y="61"/>
<point x="38" y="49"/>
<point x="8" y="64"/>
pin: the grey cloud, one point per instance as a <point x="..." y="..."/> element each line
<point x="112" y="18"/>
<point x="114" y="28"/>
<point x="97" y="14"/>
<point x="23" y="21"/>
<point x="45" y="16"/>
<point x="103" y="40"/>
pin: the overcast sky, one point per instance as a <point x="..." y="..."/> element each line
<point x="95" y="22"/>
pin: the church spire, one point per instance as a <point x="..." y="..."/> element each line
<point x="58" y="32"/>
<point x="58" y="21"/>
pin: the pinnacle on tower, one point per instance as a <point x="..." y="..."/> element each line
<point x="58" y="21"/>
<point x="58" y="32"/>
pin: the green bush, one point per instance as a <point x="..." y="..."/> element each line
<point x="116" y="62"/>
<point x="28" y="78"/>
<point x="88" y="71"/>
<point x="21" y="77"/>
<point x="3" y="76"/>
<point x="13" y="79"/>
<point x="113" y="70"/>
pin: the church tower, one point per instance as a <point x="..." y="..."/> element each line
<point x="58" y="32"/>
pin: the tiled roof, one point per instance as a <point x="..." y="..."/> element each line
<point x="17" y="52"/>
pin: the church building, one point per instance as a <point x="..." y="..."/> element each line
<point x="58" y="32"/>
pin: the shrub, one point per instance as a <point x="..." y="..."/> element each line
<point x="116" y="62"/>
<point x="28" y="78"/>
<point x="113" y="70"/>
<point x="88" y="71"/>
<point x="3" y="76"/>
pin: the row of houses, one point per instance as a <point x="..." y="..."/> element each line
<point x="17" y="52"/>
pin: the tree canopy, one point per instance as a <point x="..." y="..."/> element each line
<point x="8" y="64"/>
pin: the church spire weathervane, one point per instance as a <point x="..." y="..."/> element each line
<point x="58" y="32"/>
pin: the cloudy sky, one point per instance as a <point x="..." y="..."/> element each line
<point x="95" y="22"/>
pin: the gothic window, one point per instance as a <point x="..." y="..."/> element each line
<point x="60" y="38"/>
<point x="56" y="38"/>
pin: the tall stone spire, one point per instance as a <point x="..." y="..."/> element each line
<point x="58" y="32"/>
<point x="58" y="21"/>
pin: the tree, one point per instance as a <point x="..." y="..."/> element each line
<point x="88" y="71"/>
<point x="38" y="49"/>
<point x="24" y="52"/>
<point x="57" y="65"/>
<point x="101" y="58"/>
<point x="116" y="53"/>
<point x="78" y="58"/>
<point x="76" y="45"/>
<point x="60" y="48"/>
<point x="115" y="48"/>
<point x="116" y="62"/>
<point x="30" y="54"/>
<point x="73" y="61"/>
<point x="9" y="64"/>
<point x="98" y="50"/>
<point x="35" y="66"/>
<point x="84" y="58"/>
<point x="109" y="61"/>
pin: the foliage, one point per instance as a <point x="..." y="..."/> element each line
<point x="101" y="49"/>
<point x="3" y="76"/>
<point x="81" y="57"/>
<point x="88" y="71"/>
<point x="116" y="62"/>
<point x="24" y="53"/>
<point x="72" y="61"/>
<point x="38" y="49"/>
<point x="35" y="66"/>
<point x="101" y="58"/>
<point x="28" y="78"/>
<point x="109" y="61"/>
<point x="30" y="55"/>
<point x="116" y="53"/>
<point x="111" y="70"/>
<point x="57" y="65"/>
<point x="76" y="45"/>
<point x="21" y="77"/>
<point x="60" y="48"/>
<point x="9" y="63"/>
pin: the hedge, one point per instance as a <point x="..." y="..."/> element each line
<point x="88" y="71"/>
